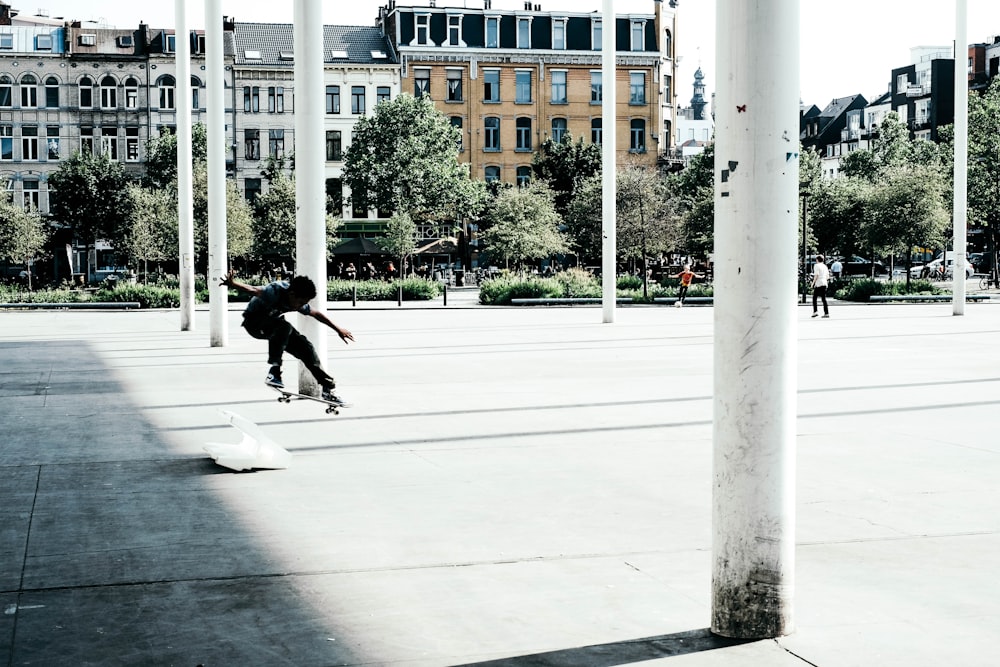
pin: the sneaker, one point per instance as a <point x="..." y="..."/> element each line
<point x="274" y="378"/>
<point x="678" y="304"/>
<point x="329" y="395"/>
<point x="826" y="316"/>
<point x="815" y="314"/>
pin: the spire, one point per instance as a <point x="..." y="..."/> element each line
<point x="698" y="102"/>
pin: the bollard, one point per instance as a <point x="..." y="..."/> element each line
<point x="446" y="294"/>
<point x="354" y="295"/>
<point x="399" y="296"/>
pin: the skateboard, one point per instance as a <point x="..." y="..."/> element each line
<point x="286" y="397"/>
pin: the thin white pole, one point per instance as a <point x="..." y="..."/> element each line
<point x="609" y="189"/>
<point x="756" y="205"/>
<point x="310" y="192"/>
<point x="185" y="197"/>
<point x="217" y="244"/>
<point x="960" y="200"/>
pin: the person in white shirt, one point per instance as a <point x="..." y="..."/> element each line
<point x="836" y="268"/>
<point x="820" y="281"/>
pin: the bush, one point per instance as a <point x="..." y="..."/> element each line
<point x="500" y="291"/>
<point x="414" y="289"/>
<point x="148" y="296"/>
<point x="577" y="283"/>
<point x="14" y="294"/>
<point x="629" y="283"/>
<point x="863" y="290"/>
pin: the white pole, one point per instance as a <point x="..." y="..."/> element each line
<point x="961" y="199"/>
<point x="217" y="245"/>
<point x="609" y="248"/>
<point x="185" y="197"/>
<point x="756" y="197"/>
<point x="310" y="192"/>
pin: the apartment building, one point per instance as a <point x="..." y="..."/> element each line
<point x="510" y="79"/>
<point x="923" y="92"/>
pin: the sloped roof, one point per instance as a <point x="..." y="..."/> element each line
<point x="839" y="105"/>
<point x="274" y="43"/>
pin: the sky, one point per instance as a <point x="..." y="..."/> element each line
<point x="847" y="47"/>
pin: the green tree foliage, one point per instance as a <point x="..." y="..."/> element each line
<point x="984" y="157"/>
<point x="161" y="156"/>
<point x="400" y="237"/>
<point x="565" y="166"/>
<point x="404" y="157"/>
<point x="584" y="222"/>
<point x="150" y="234"/>
<point x="647" y="221"/>
<point x="836" y="213"/>
<point x="694" y="190"/>
<point x="274" y="221"/>
<point x="905" y="209"/>
<point x="239" y="218"/>
<point x="23" y="234"/>
<point x="525" y="225"/>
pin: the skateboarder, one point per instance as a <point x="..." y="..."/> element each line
<point x="264" y="319"/>
<point x="686" y="275"/>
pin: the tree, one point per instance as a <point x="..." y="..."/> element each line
<point x="837" y="214"/>
<point x="694" y="189"/>
<point x="239" y="218"/>
<point x="151" y="232"/>
<point x="404" y="158"/>
<point x="525" y="225"/>
<point x="274" y="220"/>
<point x="984" y="165"/>
<point x="584" y="222"/>
<point x="400" y="237"/>
<point x="88" y="193"/>
<point x="646" y="219"/>
<point x="161" y="156"/>
<point x="23" y="234"/>
<point x="565" y="166"/>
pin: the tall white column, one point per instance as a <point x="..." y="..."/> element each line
<point x="756" y="187"/>
<point x="960" y="201"/>
<point x="185" y="197"/>
<point x="609" y="247"/>
<point x="218" y="262"/>
<point x="310" y="190"/>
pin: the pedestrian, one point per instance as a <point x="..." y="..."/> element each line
<point x="264" y="319"/>
<point x="686" y="275"/>
<point x="836" y="268"/>
<point x="820" y="281"/>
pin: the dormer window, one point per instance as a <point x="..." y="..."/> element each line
<point x="524" y="32"/>
<point x="455" y="30"/>
<point x="170" y="44"/>
<point x="638" y="34"/>
<point x="6" y="41"/>
<point x="423" y="29"/>
<point x="492" y="32"/>
<point x="559" y="34"/>
<point x="43" y="42"/>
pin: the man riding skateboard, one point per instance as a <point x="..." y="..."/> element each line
<point x="264" y="319"/>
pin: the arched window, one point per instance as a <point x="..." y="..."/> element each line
<point x="109" y="93"/>
<point x="596" y="130"/>
<point x="491" y="139"/>
<point x="29" y="92"/>
<point x="558" y="129"/>
<point x="637" y="136"/>
<point x="492" y="174"/>
<point x="523" y="128"/>
<point x="195" y="93"/>
<point x="166" y="87"/>
<point x="523" y="175"/>
<point x="86" y="93"/>
<point x="6" y="95"/>
<point x="52" y="93"/>
<point x="131" y="93"/>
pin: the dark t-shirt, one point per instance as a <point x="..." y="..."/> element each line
<point x="272" y="303"/>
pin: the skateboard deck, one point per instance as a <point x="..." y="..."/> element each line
<point x="286" y="397"/>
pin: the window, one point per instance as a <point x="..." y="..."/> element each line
<point x="455" y="30"/>
<point x="492" y="32"/>
<point x="52" y="93"/>
<point x="335" y="196"/>
<point x="131" y="93"/>
<point x="276" y="143"/>
<point x="195" y="94"/>
<point x="523" y="132"/>
<point x="251" y="99"/>
<point x="456" y="122"/>
<point x="109" y="93"/>
<point x="491" y="174"/>
<point x="903" y="112"/>
<point x="359" y="205"/>
<point x="922" y="111"/>
<point x="383" y="94"/>
<point x="559" y="34"/>
<point x="52" y="142"/>
<point x="523" y="176"/>
<point x="524" y="33"/>
<point x="6" y="143"/>
<point x="30" y="195"/>
<point x="86" y="139"/>
<point x="668" y="89"/>
<point x="334" y="148"/>
<point x="29" y="143"/>
<point x="6" y="91"/>
<point x="109" y="142"/>
<point x="332" y="99"/>
<point x="170" y="44"/>
<point x="6" y="41"/>
<point x="251" y="189"/>
<point x="491" y="140"/>
<point x="637" y="88"/>
<point x="454" y="85"/>
<point x="596" y="130"/>
<point x="358" y="100"/>
<point x="421" y="82"/>
<point x="596" y="35"/>
<point x="131" y="144"/>
<point x="596" y="88"/>
<point x="522" y="80"/>
<point x="276" y="99"/>
<point x="637" y="136"/>
<point x="558" y="129"/>
<point x="167" y="92"/>
<point x="29" y="92"/>
<point x="491" y="85"/>
<point x="43" y="42"/>
<point x="251" y="144"/>
<point x="638" y="32"/>
<point x="558" y="78"/>
<point x="423" y="29"/>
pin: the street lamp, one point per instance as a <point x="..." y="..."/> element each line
<point x="805" y="234"/>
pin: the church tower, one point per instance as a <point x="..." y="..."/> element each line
<point x="698" y="101"/>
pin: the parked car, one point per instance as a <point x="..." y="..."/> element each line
<point x="932" y="270"/>
<point x="859" y="266"/>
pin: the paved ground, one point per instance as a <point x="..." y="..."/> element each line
<point x="513" y="487"/>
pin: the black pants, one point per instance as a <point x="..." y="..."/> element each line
<point x="820" y="291"/>
<point x="282" y="337"/>
<point x="682" y="293"/>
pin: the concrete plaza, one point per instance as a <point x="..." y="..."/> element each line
<point x="515" y="487"/>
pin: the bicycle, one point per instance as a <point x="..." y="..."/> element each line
<point x="989" y="280"/>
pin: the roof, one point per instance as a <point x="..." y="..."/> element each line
<point x="839" y="105"/>
<point x="273" y="45"/>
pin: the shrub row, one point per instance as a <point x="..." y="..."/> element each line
<point x="575" y="283"/>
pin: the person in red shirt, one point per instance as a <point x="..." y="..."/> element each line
<point x="686" y="275"/>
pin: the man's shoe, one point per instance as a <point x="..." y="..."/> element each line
<point x="826" y="316"/>
<point x="274" y="378"/>
<point x="329" y="395"/>
<point x="815" y="314"/>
